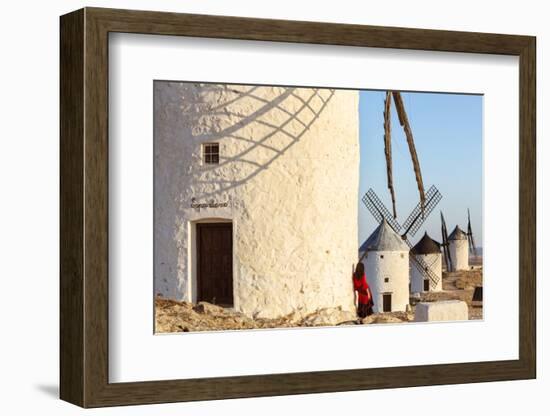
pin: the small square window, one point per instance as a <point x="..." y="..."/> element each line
<point x="211" y="153"/>
<point x="386" y="279"/>
<point x="381" y="256"/>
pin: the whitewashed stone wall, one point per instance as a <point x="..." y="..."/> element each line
<point x="434" y="262"/>
<point x="459" y="254"/>
<point x="445" y="310"/>
<point x="289" y="168"/>
<point x="393" y="265"/>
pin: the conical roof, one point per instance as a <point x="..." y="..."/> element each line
<point x="458" y="234"/>
<point x="426" y="245"/>
<point x="384" y="239"/>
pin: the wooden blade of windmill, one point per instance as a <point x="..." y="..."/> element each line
<point x="387" y="148"/>
<point x="417" y="217"/>
<point x="445" y="244"/>
<point x="448" y="258"/>
<point x="470" y="234"/>
<point x="379" y="210"/>
<point x="404" y="121"/>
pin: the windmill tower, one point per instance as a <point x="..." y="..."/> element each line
<point x="457" y="246"/>
<point x="386" y="259"/>
<point x="427" y="251"/>
<point x="222" y="156"/>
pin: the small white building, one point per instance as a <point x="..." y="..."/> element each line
<point x="387" y="269"/>
<point x="427" y="253"/>
<point x="458" y="247"/>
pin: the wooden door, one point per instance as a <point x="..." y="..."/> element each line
<point x="215" y="263"/>
<point x="426" y="285"/>
<point x="386" y="302"/>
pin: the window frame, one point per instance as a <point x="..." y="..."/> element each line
<point x="207" y="151"/>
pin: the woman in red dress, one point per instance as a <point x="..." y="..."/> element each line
<point x="361" y="287"/>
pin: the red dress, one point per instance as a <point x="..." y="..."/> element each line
<point x="362" y="287"/>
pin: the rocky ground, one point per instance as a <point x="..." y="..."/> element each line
<point x="173" y="316"/>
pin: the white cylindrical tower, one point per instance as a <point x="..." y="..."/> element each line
<point x="458" y="247"/>
<point x="269" y="161"/>
<point x="387" y="269"/>
<point x="427" y="252"/>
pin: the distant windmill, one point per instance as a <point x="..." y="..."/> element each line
<point x="411" y="225"/>
<point x="427" y="251"/>
<point x="457" y="245"/>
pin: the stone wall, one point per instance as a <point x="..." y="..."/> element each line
<point x="446" y="310"/>
<point x="288" y="172"/>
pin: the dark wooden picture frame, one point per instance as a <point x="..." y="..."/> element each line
<point x="84" y="207"/>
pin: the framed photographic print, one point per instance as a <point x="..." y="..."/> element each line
<point x="256" y="207"/>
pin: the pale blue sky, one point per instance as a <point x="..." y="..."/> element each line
<point x="447" y="129"/>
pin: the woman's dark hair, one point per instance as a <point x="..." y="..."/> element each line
<point x="359" y="270"/>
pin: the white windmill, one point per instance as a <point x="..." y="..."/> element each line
<point x="427" y="251"/>
<point x="386" y="259"/>
<point x="411" y="225"/>
<point x="457" y="246"/>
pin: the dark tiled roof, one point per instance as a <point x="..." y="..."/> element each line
<point x="426" y="245"/>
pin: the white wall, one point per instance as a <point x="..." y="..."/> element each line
<point x="29" y="212"/>
<point x="433" y="260"/>
<point x="459" y="254"/>
<point x="285" y="153"/>
<point x="393" y="266"/>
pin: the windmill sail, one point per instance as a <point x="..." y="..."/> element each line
<point x="471" y="242"/>
<point x="419" y="214"/>
<point x="413" y="222"/>
<point x="445" y="244"/>
<point x="379" y="210"/>
<point x="387" y="149"/>
<point x="404" y="121"/>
